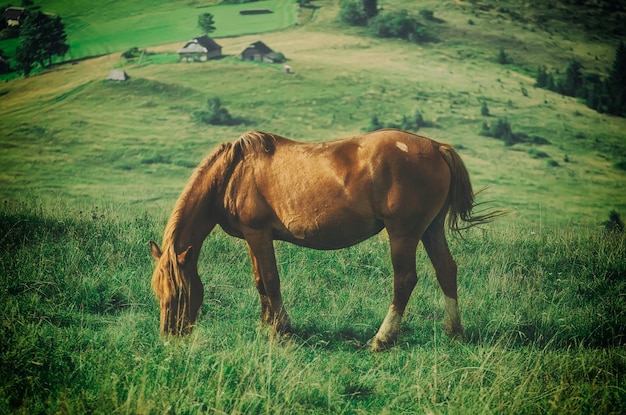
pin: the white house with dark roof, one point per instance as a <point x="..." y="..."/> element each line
<point x="200" y="49"/>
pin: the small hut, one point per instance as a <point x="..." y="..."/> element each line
<point x="118" y="75"/>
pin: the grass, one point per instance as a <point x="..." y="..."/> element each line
<point x="96" y="29"/>
<point x="543" y="315"/>
<point x="90" y="169"/>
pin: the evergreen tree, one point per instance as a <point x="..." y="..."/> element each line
<point x="616" y="82"/>
<point x="542" y="77"/>
<point x="573" y="80"/>
<point x="206" y="22"/>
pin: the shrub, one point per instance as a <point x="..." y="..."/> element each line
<point x="538" y="154"/>
<point x="399" y="25"/>
<point x="352" y="13"/>
<point x="484" y="109"/>
<point x="215" y="114"/>
<point x="407" y="123"/>
<point x="374" y="124"/>
<point x="553" y="163"/>
<point x="614" y="224"/>
<point x="503" y="58"/>
<point x="500" y="130"/>
<point x="621" y="164"/>
<point x="132" y="53"/>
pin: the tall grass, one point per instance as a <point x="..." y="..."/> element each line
<point x="544" y="316"/>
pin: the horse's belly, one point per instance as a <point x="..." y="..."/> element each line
<point x="322" y="233"/>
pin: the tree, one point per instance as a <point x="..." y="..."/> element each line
<point x="616" y="82"/>
<point x="370" y="7"/>
<point x="398" y="24"/>
<point x="41" y="38"/>
<point x="352" y="12"/>
<point x="503" y="58"/>
<point x="573" y="79"/>
<point x="214" y="114"/>
<point x="206" y="23"/>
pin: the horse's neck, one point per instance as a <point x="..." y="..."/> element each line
<point x="193" y="220"/>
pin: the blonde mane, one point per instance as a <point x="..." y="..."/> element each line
<point x="256" y="142"/>
<point x="168" y="285"/>
<point x="251" y="142"/>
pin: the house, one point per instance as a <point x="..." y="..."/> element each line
<point x="200" y="49"/>
<point x="259" y="51"/>
<point x="118" y="75"/>
<point x="14" y="16"/>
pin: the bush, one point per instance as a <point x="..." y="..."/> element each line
<point x="374" y="125"/>
<point x="538" y="154"/>
<point x="398" y="25"/>
<point x="500" y="130"/>
<point x="484" y="109"/>
<point x="132" y="53"/>
<point x="352" y="13"/>
<point x="503" y="58"/>
<point x="407" y="123"/>
<point x="614" y="224"/>
<point x="215" y="114"/>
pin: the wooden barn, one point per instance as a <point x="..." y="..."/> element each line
<point x="200" y="49"/>
<point x="259" y="51"/>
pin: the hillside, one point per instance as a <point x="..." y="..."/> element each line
<point x="69" y="133"/>
<point x="90" y="170"/>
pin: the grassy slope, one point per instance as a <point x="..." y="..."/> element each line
<point x="541" y="303"/>
<point x="79" y="334"/>
<point x="98" y="28"/>
<point x="104" y="147"/>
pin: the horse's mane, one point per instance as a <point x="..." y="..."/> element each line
<point x="256" y="142"/>
<point x="251" y="142"/>
<point x="167" y="285"/>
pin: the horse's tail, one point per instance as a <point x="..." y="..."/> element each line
<point x="461" y="197"/>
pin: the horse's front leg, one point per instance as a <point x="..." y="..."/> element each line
<point x="267" y="316"/>
<point x="267" y="280"/>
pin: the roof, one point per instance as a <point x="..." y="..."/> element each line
<point x="118" y="75"/>
<point x="14" y="13"/>
<point x="200" y="44"/>
<point x="192" y="48"/>
<point x="260" y="47"/>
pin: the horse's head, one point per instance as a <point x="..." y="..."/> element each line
<point x="178" y="288"/>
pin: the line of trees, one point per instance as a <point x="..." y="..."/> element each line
<point x="603" y="95"/>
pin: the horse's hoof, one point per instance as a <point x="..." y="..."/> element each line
<point x="378" y="345"/>
<point x="455" y="333"/>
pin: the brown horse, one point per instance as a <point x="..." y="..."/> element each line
<point x="328" y="195"/>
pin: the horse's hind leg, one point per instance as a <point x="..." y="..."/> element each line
<point x="404" y="280"/>
<point x="436" y="246"/>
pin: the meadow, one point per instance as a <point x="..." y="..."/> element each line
<point x="100" y="28"/>
<point x="91" y="169"/>
<point x="544" y="318"/>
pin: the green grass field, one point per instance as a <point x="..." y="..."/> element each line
<point x="91" y="169"/>
<point x="544" y="325"/>
<point x="99" y="28"/>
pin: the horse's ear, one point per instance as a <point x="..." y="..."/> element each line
<point x="182" y="257"/>
<point x="155" y="250"/>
